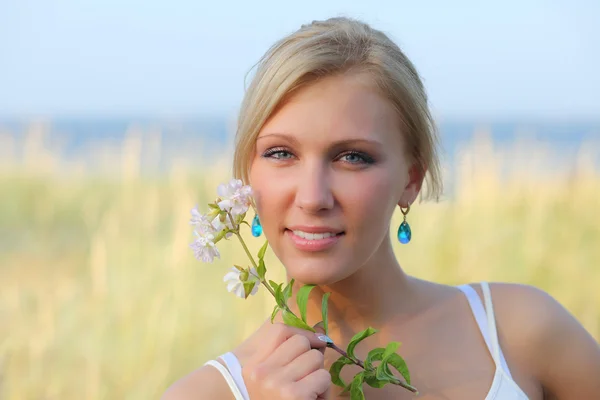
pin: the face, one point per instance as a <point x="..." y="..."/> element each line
<point x="327" y="172"/>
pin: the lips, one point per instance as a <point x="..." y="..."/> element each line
<point x="313" y="239"/>
<point x="313" y="236"/>
<point x="315" y="229"/>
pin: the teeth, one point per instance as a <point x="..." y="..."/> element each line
<point x="313" y="236"/>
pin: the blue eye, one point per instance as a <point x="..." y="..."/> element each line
<point x="277" y="153"/>
<point x="356" y="157"/>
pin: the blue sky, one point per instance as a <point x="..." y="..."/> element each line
<point x="120" y="57"/>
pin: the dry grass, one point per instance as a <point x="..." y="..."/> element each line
<point x="101" y="298"/>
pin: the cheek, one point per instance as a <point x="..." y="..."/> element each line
<point x="269" y="194"/>
<point x="375" y="193"/>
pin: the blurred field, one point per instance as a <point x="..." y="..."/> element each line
<point x="102" y="299"/>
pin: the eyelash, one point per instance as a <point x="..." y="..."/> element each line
<point x="366" y="159"/>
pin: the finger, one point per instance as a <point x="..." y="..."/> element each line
<point x="288" y="351"/>
<point x="316" y="385"/>
<point x="302" y="366"/>
<point x="278" y="334"/>
<point x="320" y="328"/>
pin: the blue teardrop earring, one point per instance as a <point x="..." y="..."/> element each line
<point x="256" y="226"/>
<point x="404" y="233"/>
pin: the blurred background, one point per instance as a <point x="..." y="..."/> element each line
<point x="117" y="117"/>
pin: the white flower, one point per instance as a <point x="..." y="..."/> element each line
<point x="235" y="197"/>
<point x="218" y="226"/>
<point x="235" y="284"/>
<point x="205" y="225"/>
<point x="204" y="247"/>
<point x="202" y="222"/>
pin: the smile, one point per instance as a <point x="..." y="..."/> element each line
<point x="311" y="241"/>
<point x="313" y="236"/>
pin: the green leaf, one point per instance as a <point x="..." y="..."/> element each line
<point x="371" y="376"/>
<point x="244" y="222"/>
<point x="390" y="348"/>
<point x="287" y="292"/>
<point x="290" y="319"/>
<point x="262" y="269"/>
<point x="248" y="286"/>
<point x="374" y="355"/>
<point x="358" y="338"/>
<point x="263" y="250"/>
<point x="382" y="371"/>
<point x="273" y="285"/>
<point x="388" y="371"/>
<point x="336" y="369"/>
<point x="371" y="380"/>
<point x="220" y="236"/>
<point x="324" y="312"/>
<point x="279" y="297"/>
<point x="398" y="362"/>
<point x="274" y="313"/>
<point x="390" y="356"/>
<point x="302" y="299"/>
<point x="356" y="388"/>
<point x="346" y="389"/>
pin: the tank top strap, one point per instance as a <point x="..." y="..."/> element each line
<point x="228" y="378"/>
<point x="234" y="366"/>
<point x="486" y="320"/>
<point x="491" y="320"/>
<point x="493" y="329"/>
<point x="479" y="313"/>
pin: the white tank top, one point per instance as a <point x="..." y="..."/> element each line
<point x="503" y="386"/>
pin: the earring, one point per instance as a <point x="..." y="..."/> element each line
<point x="404" y="233"/>
<point x="256" y="226"/>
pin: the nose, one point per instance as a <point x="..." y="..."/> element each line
<point x="313" y="191"/>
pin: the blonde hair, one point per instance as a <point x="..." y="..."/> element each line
<point x="335" y="46"/>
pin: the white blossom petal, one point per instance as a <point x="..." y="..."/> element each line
<point x="222" y="190"/>
<point x="235" y="198"/>
<point x="236" y="286"/>
<point x="232" y="275"/>
<point x="204" y="247"/>
<point x="239" y="291"/>
<point x="232" y="285"/>
<point x="225" y="205"/>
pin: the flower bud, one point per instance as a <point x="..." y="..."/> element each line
<point x="244" y="275"/>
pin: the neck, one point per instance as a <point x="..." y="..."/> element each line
<point x="371" y="297"/>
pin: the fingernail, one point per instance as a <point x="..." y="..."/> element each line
<point x="324" y="338"/>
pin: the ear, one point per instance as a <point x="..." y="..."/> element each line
<point x="416" y="176"/>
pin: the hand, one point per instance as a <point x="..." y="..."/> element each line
<point x="283" y="362"/>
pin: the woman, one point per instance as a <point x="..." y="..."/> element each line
<point x="334" y="133"/>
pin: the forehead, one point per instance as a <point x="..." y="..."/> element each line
<point x="337" y="107"/>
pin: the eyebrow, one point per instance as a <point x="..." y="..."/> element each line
<point x="293" y="140"/>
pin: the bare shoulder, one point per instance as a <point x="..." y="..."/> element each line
<point x="548" y="340"/>
<point x="203" y="383"/>
<point x="530" y="310"/>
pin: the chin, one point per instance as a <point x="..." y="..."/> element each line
<point x="317" y="272"/>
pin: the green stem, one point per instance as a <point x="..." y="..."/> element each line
<point x="264" y="282"/>
<point x="237" y="233"/>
